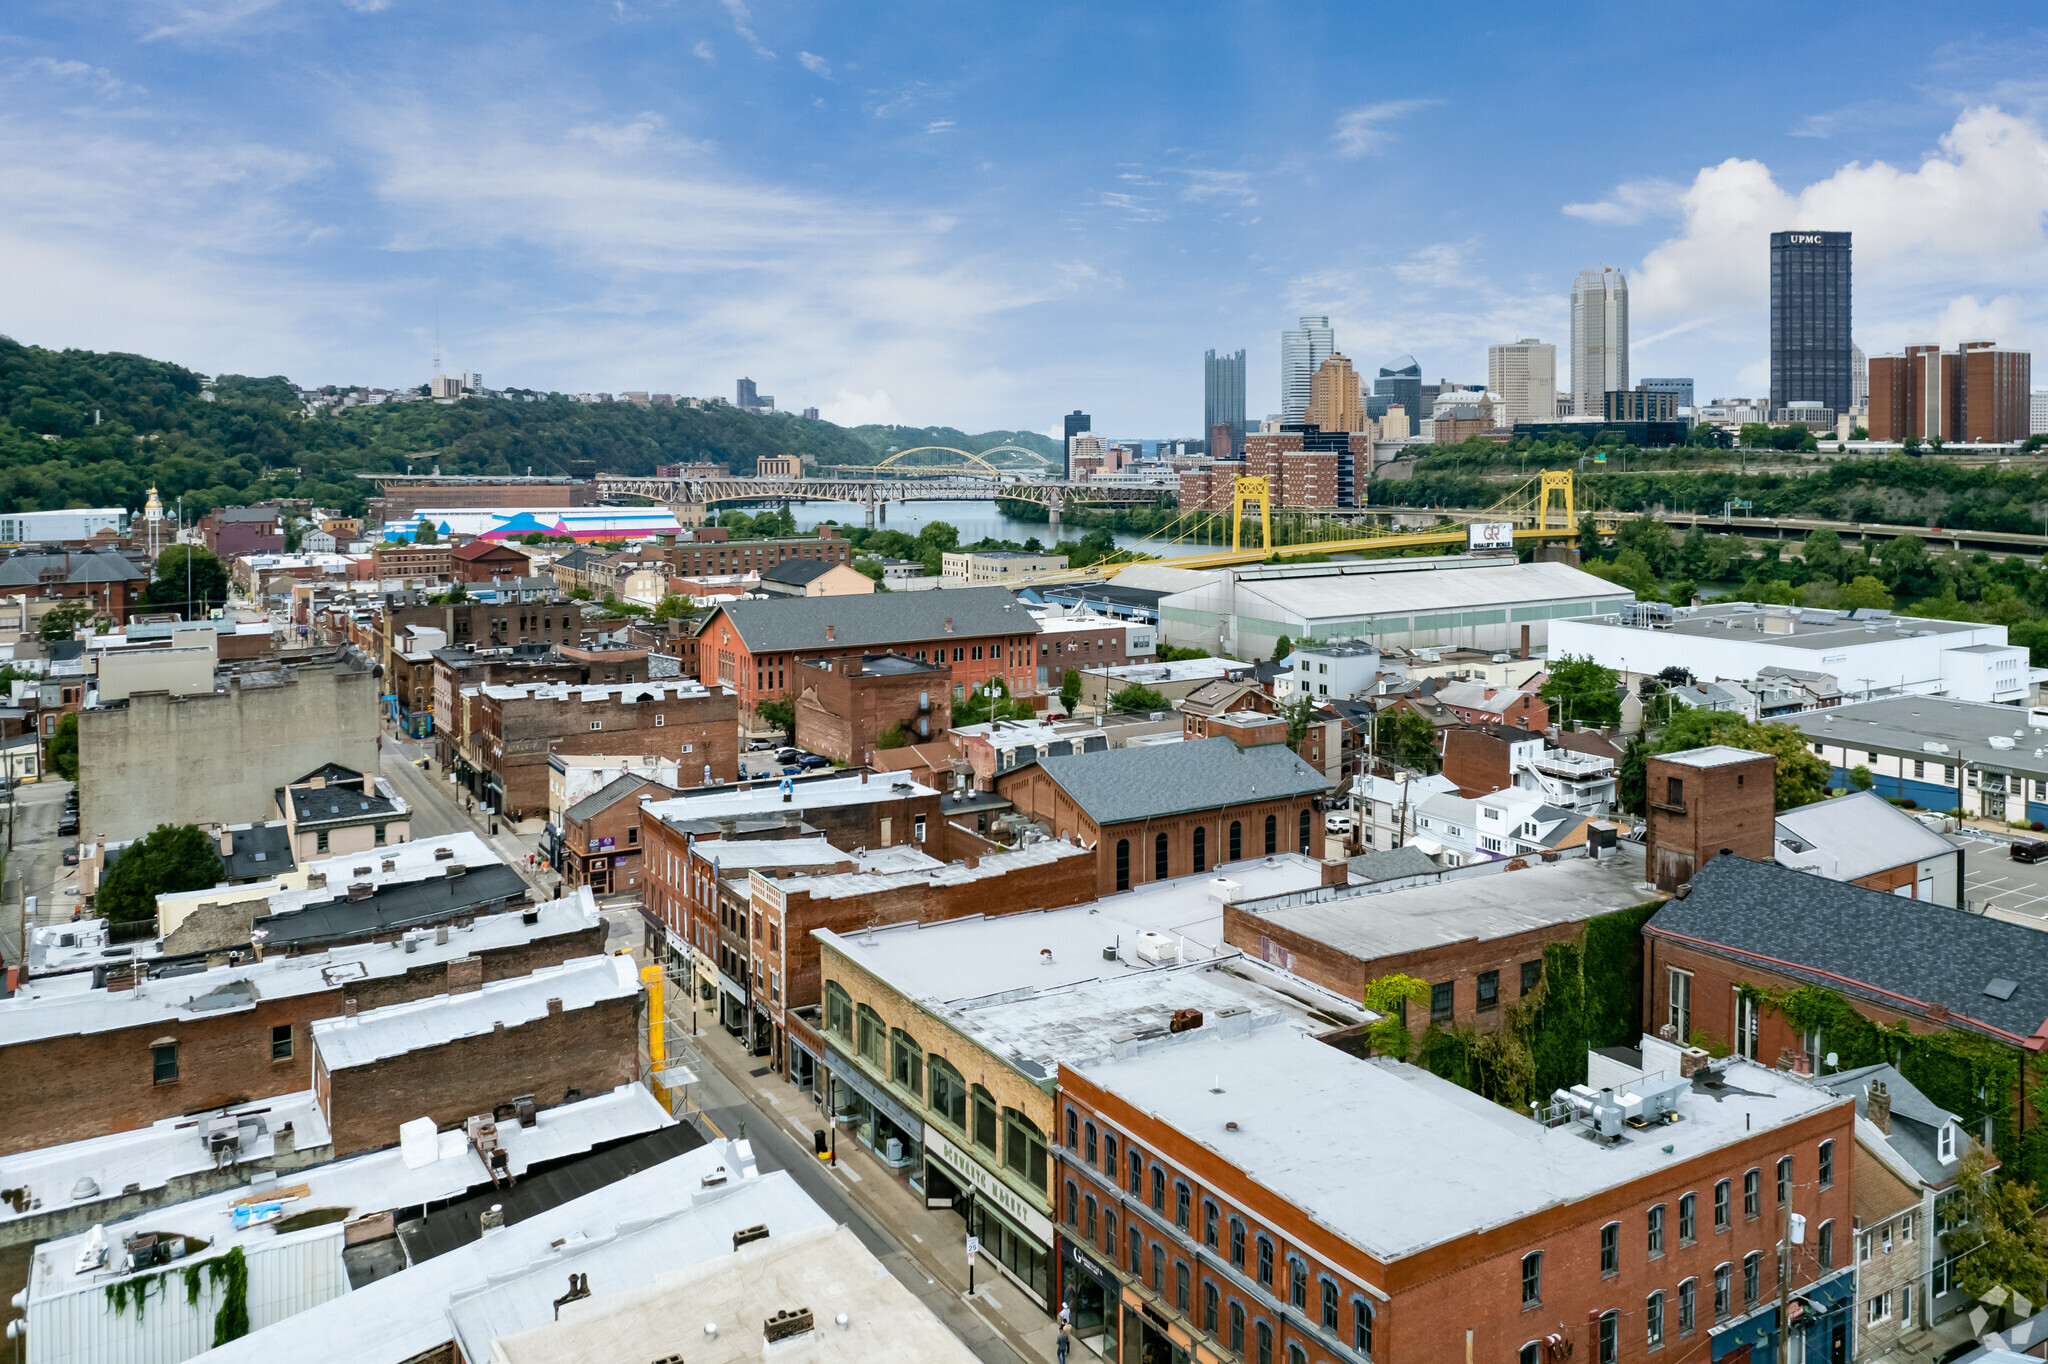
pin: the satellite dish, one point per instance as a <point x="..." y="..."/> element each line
<point x="1832" y="1062"/>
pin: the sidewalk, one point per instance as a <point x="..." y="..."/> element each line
<point x="935" y="1241"/>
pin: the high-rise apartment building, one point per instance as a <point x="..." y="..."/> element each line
<point x="1859" y="376"/>
<point x="1399" y="384"/>
<point x="1302" y="351"/>
<point x="1599" y="337"/>
<point x="2038" y="425"/>
<point x="1333" y="403"/>
<point x="1679" y="389"/>
<point x="1223" y="401"/>
<point x="748" y="398"/>
<point x="1976" y="394"/>
<point x="1524" y="377"/>
<point x="1075" y="422"/>
<point x="1810" y="342"/>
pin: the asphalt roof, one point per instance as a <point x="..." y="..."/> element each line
<point x="907" y="618"/>
<point x="797" y="570"/>
<point x="260" y="851"/>
<point x="1897" y="951"/>
<point x="337" y="802"/>
<point x="479" y="890"/>
<point x="1935" y="729"/>
<point x="610" y="794"/>
<point x="1118" y="785"/>
<point x="89" y="566"/>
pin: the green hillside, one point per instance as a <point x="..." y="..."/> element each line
<point x="82" y="428"/>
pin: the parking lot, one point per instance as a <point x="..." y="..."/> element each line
<point x="1992" y="880"/>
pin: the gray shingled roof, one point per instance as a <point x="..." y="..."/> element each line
<point x="1865" y="942"/>
<point x="909" y="619"/>
<point x="796" y="571"/>
<point x="482" y="890"/>
<point x="608" y="795"/>
<point x="1118" y="785"/>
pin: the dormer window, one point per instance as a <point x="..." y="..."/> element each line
<point x="1945" y="1142"/>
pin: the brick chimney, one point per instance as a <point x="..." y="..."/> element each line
<point x="1336" y="871"/>
<point x="1878" y="1107"/>
<point x="830" y="631"/>
<point x="554" y="1008"/>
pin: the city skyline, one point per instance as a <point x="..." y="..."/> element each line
<point x="843" y="207"/>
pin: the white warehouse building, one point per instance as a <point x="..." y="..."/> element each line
<point x="1451" y="601"/>
<point x="1865" y="651"/>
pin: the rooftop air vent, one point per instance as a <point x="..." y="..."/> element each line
<point x="2000" y="988"/>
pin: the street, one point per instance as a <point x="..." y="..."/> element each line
<point x="38" y="860"/>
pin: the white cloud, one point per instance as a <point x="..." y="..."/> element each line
<point x="1362" y="131"/>
<point x="95" y="78"/>
<point x="702" y="51"/>
<point x="816" y="65"/>
<point x="1967" y="220"/>
<point x="368" y="6"/>
<point x="1203" y="185"/>
<point x="1631" y="202"/>
<point x="862" y="409"/>
<point x="939" y="125"/>
<point x="221" y="20"/>
<point x="743" y="24"/>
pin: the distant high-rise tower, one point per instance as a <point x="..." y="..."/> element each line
<point x="745" y="394"/>
<point x="1859" y="376"/>
<point x="1223" y="399"/>
<point x="1523" y="377"/>
<point x="1811" y="347"/>
<point x="1333" y="403"/>
<point x="1076" y="422"/>
<point x="1599" y="338"/>
<point x="1302" y="351"/>
<point x="1399" y="383"/>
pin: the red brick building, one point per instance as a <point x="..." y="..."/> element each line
<point x="558" y="1034"/>
<point x="1156" y="812"/>
<point x="753" y="646"/>
<point x="710" y="553"/>
<point x="518" y="726"/>
<point x="1245" y="1192"/>
<point x="77" y="1064"/>
<point x="1704" y="802"/>
<point x="1975" y="394"/>
<point x="482" y="561"/>
<point x="601" y="845"/>
<point x="229" y="531"/>
<point x="845" y="706"/>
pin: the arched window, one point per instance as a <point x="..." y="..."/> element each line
<point x="1532" y="1353"/>
<point x="1180" y="1205"/>
<point x="906" y="1061"/>
<point x="1826" y="1244"/>
<point x="1361" y="1326"/>
<point x="1209" y="1224"/>
<point x="1109" y="1230"/>
<point x="1304" y="832"/>
<point x="1123" y="864"/>
<point x="1272" y="834"/>
<point x="1073" y="1129"/>
<point x="1236" y="840"/>
<point x="1023" y="1147"/>
<point x="1265" y="1335"/>
<point x="1610" y="1337"/>
<point x="1297" y="1283"/>
<point x="1237" y="1243"/>
<point x="1073" y="1205"/>
<point x="949" y="1092"/>
<point x="1265" y="1262"/>
<point x="1329" y="1304"/>
<point x="1159" y="858"/>
<point x="1294" y="1354"/>
<point x="1209" y="1298"/>
<point x="1236" y="1327"/>
<point x="1653" y="1319"/>
<point x="1088" y="1135"/>
<point x="1088" y="1226"/>
<point x="1201" y="850"/>
<point x="838" y="1011"/>
<point x="870" y="1030"/>
<point x="1532" y="1279"/>
<point x="984" y="1105"/>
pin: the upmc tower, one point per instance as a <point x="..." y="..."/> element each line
<point x="1810" y="320"/>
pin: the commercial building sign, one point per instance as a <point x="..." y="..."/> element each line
<point x="986" y="1184"/>
<point x="1490" y="535"/>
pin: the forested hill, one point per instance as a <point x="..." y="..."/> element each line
<point x="83" y="428"/>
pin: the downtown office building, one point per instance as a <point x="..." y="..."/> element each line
<point x="1811" y="349"/>
<point x="1223" y="402"/>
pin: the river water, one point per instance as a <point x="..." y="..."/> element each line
<point x="974" y="521"/>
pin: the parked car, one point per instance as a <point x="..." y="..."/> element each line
<point x="788" y="755"/>
<point x="67" y="827"/>
<point x="2030" y="850"/>
<point x="71" y="856"/>
<point x="1337" y="822"/>
<point x="813" y="761"/>
<point x="759" y="745"/>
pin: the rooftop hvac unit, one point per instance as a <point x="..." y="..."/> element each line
<point x="1156" y="948"/>
<point x="1223" y="890"/>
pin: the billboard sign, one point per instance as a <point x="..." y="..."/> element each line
<point x="1490" y="535"/>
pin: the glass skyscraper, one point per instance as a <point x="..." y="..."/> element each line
<point x="1076" y="422"/>
<point x="1811" y="349"/>
<point x="1399" y="381"/>
<point x="1223" y="400"/>
<point x="1599" y="338"/>
<point x="1302" y="352"/>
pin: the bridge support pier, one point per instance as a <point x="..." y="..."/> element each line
<point x="869" y="508"/>
<point x="1054" y="505"/>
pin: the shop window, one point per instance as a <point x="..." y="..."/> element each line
<point x="838" y="1012"/>
<point x="870" y="1031"/>
<point x="906" y="1062"/>
<point x="949" y="1092"/>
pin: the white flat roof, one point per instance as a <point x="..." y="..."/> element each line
<point x="150" y="1157"/>
<point x="869" y="881"/>
<point x="1423" y="1161"/>
<point x="375" y="1182"/>
<point x="1341" y="596"/>
<point x="620" y="1234"/>
<point x="766" y="797"/>
<point x="67" y="1005"/>
<point x="413" y="1024"/>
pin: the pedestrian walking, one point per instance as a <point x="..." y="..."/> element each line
<point x="1066" y="1338"/>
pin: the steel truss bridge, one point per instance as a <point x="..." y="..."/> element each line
<point x="873" y="493"/>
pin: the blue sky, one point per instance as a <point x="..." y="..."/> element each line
<point x="987" y="215"/>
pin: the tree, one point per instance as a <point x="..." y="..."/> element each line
<point x="870" y="567"/>
<point x="990" y="701"/>
<point x="1999" y="1244"/>
<point x="426" y="534"/>
<point x="1859" y="433"/>
<point x="1139" y="698"/>
<point x="64" y="748"/>
<point x="1582" y="690"/>
<point x="1865" y="591"/>
<point x="1823" y="555"/>
<point x="1414" y="742"/>
<point x="1389" y="997"/>
<point x="674" y="606"/>
<point x="1589" y="538"/>
<point x="1282" y="647"/>
<point x="1912" y="445"/>
<point x="61" y="622"/>
<point x="1801" y="777"/>
<point x="1070" y="690"/>
<point x="777" y="715"/>
<point x="1860" y="778"/>
<point x="895" y="736"/>
<point x="168" y="859"/>
<point x="1299" y="713"/>
<point x="1633" y="776"/>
